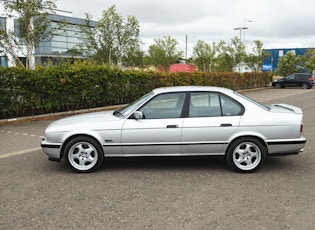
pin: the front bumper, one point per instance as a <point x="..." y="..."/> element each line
<point x="53" y="150"/>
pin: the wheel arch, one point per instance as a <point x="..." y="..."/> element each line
<point x="260" y="139"/>
<point x="75" y="136"/>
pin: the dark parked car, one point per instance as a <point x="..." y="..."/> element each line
<point x="306" y="81"/>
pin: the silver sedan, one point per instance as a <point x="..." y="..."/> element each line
<point x="179" y="121"/>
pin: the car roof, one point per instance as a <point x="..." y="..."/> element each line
<point x="306" y="74"/>
<point x="190" y="89"/>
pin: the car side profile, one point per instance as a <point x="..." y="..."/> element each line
<point x="179" y="121"/>
<point x="306" y="81"/>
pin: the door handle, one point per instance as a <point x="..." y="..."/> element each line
<point x="226" y="125"/>
<point x="172" y="126"/>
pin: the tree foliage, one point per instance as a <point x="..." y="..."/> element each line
<point x="256" y="56"/>
<point x="164" y="53"/>
<point x="307" y="61"/>
<point x="288" y="64"/>
<point x="112" y="40"/>
<point x="204" y="55"/>
<point x="32" y="25"/>
<point x="230" y="55"/>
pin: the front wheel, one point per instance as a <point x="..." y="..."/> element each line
<point x="279" y="86"/>
<point x="246" y="155"/>
<point x="83" y="154"/>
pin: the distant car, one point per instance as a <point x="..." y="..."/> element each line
<point x="306" y="81"/>
<point x="179" y="121"/>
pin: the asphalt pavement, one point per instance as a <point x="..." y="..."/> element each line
<point x="157" y="193"/>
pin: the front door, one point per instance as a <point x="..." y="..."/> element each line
<point x="159" y="131"/>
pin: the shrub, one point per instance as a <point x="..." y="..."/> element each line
<point x="80" y="86"/>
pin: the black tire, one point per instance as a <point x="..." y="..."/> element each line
<point x="278" y="86"/>
<point x="305" y="86"/>
<point x="83" y="154"/>
<point x="246" y="154"/>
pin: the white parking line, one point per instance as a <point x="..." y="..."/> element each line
<point x="16" y="133"/>
<point x="19" y="152"/>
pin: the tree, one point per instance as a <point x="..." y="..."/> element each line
<point x="255" y="58"/>
<point x="134" y="58"/>
<point x="204" y="55"/>
<point x="112" y="39"/>
<point x="287" y="64"/>
<point x="32" y="27"/>
<point x="307" y="61"/>
<point x="164" y="53"/>
<point x="230" y="55"/>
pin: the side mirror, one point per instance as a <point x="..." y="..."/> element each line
<point x="138" y="115"/>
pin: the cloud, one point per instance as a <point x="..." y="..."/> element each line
<point x="284" y="23"/>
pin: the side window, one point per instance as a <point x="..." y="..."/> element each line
<point x="230" y="107"/>
<point x="204" y="104"/>
<point x="290" y="77"/>
<point x="3" y="24"/>
<point x="168" y="105"/>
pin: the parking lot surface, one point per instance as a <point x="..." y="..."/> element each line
<point x="157" y="193"/>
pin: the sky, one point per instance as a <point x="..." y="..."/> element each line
<point x="276" y="23"/>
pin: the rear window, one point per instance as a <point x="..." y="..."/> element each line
<point x="252" y="101"/>
<point x="303" y="77"/>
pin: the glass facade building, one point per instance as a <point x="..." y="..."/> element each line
<point x="62" y="44"/>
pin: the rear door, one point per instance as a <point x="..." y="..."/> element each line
<point x="212" y="118"/>
<point x="291" y="80"/>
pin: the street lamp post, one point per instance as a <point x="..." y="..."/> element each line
<point x="240" y="29"/>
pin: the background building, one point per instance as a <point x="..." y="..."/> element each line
<point x="271" y="63"/>
<point x="59" y="47"/>
<point x="63" y="45"/>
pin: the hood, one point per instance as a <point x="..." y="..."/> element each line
<point x="89" y="119"/>
<point x="285" y="108"/>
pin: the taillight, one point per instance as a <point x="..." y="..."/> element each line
<point x="310" y="79"/>
<point x="301" y="127"/>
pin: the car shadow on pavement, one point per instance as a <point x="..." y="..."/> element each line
<point x="162" y="163"/>
<point x="279" y="163"/>
<point x="208" y="163"/>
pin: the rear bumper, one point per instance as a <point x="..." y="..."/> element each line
<point x="286" y="146"/>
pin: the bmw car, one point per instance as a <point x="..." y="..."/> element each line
<point x="179" y="121"/>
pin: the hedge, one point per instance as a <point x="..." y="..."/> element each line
<point x="54" y="89"/>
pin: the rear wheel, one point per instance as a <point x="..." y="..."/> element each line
<point x="305" y="86"/>
<point x="83" y="154"/>
<point x="246" y="154"/>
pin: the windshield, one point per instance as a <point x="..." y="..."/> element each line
<point x="133" y="106"/>
<point x="253" y="101"/>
